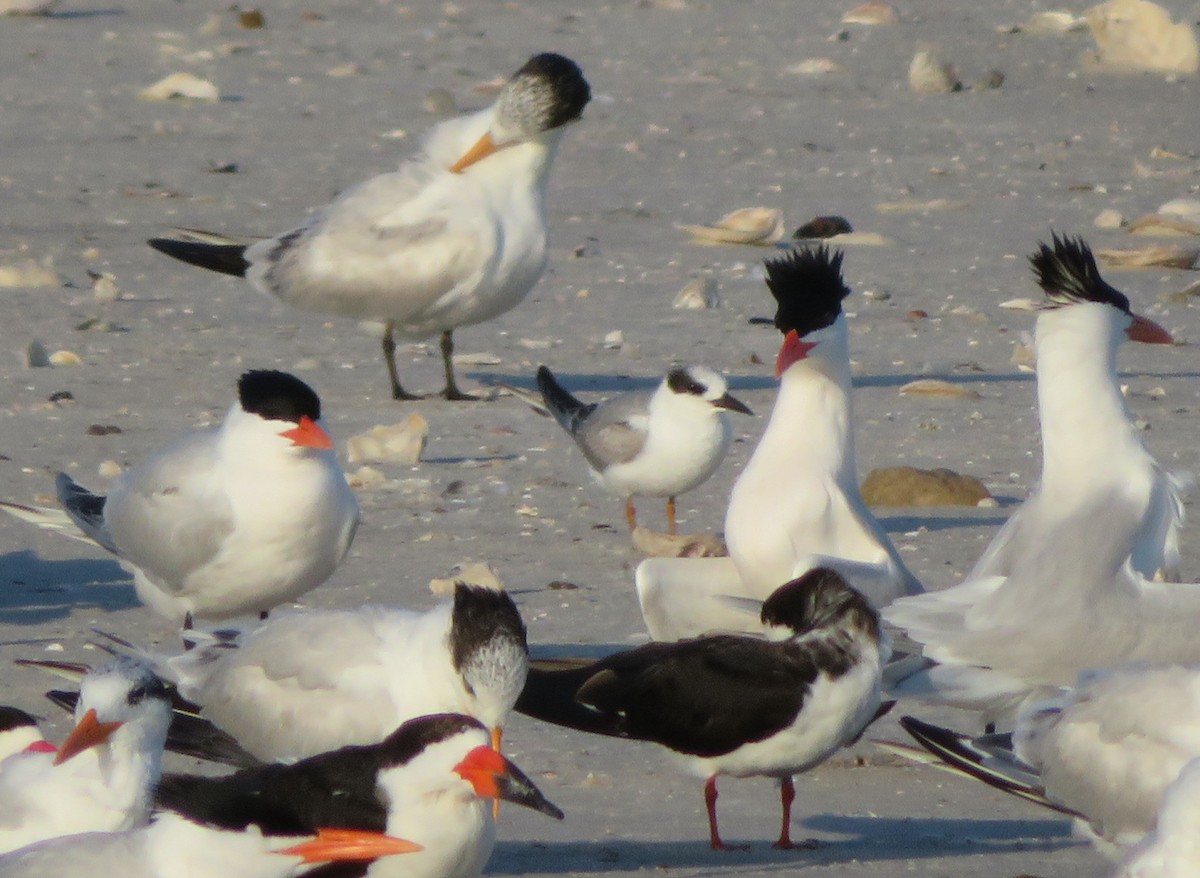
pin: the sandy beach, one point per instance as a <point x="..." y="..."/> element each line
<point x="698" y="108"/>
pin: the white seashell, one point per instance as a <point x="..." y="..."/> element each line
<point x="816" y="67"/>
<point x="109" y="469"/>
<point x="104" y="286"/>
<point x="365" y="477"/>
<point x="479" y="359"/>
<point x="1151" y="257"/>
<point x="478" y="573"/>
<point x="1054" y="22"/>
<point x="614" y="340"/>
<point x="1185" y="208"/>
<point x="29" y="274"/>
<point x="871" y="13"/>
<point x="937" y="387"/>
<point x="747" y="225"/>
<point x="65" y="358"/>
<point x="1109" y="219"/>
<point x="1020" y="304"/>
<point x="1139" y="35"/>
<point x="398" y="443"/>
<point x="181" y="85"/>
<point x="698" y="295"/>
<point x="928" y="74"/>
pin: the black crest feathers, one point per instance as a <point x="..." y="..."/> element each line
<point x="278" y="396"/>
<point x="807" y="285"/>
<point x="1068" y="274"/>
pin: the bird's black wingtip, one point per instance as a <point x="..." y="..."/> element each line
<point x="224" y="258"/>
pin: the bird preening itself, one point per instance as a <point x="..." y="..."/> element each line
<point x="453" y="238"/>
<point x="733" y="704"/>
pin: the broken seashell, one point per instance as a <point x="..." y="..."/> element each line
<point x="614" y="340"/>
<point x="937" y="387"/>
<point x="928" y="74"/>
<point x="109" y="469"/>
<point x="398" y="443"/>
<point x="660" y="545"/>
<point x="477" y="573"/>
<point x="181" y="85"/>
<point x="1054" y="22"/>
<point x="1136" y="35"/>
<point x="1157" y="224"/>
<point x="65" y="358"/>
<point x="1151" y="257"/>
<point x="871" y="13"/>
<point x="365" y="477"/>
<point x="816" y="67"/>
<point x="698" y="295"/>
<point x="1109" y="219"/>
<point x="29" y="274"/>
<point x="1183" y="208"/>
<point x="748" y="225"/>
<point x="104" y="286"/>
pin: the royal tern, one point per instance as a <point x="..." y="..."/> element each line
<point x="1172" y="850"/>
<point x="101" y="778"/>
<point x="1085" y="574"/>
<point x="455" y="237"/>
<point x="310" y="681"/>
<point x="1103" y="751"/>
<point x="659" y="443"/>
<point x="796" y="505"/>
<point x="176" y="847"/>
<point x="232" y="520"/>
<point x="737" y="705"/>
<point x="428" y="782"/>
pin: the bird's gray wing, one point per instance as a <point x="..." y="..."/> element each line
<point x="616" y="431"/>
<point x="170" y="515"/>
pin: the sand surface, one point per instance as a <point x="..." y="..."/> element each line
<point x="697" y="110"/>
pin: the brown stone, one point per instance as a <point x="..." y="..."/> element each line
<point x="909" y="486"/>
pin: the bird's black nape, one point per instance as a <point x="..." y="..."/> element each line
<point x="14" y="718"/>
<point x="414" y="735"/>
<point x="1068" y="274"/>
<point x="820" y="598"/>
<point x="571" y="91"/>
<point x="808" y="287"/>
<point x="277" y="396"/>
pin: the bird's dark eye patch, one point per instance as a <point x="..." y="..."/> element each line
<point x="681" y="381"/>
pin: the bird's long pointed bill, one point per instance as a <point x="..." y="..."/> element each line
<point x="494" y="777"/>
<point x="350" y="845"/>
<point x="1147" y="331"/>
<point x="733" y="404"/>
<point x="309" y="434"/>
<point x="88" y="732"/>
<point x="792" y="350"/>
<point x="483" y="148"/>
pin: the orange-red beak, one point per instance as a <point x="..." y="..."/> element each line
<point x="792" y="350"/>
<point x="1147" y="331"/>
<point x="483" y="148"/>
<point x="494" y="777"/>
<point x="350" y="845"/>
<point x="309" y="435"/>
<point x="89" y="732"/>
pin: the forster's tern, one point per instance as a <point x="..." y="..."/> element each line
<point x="1083" y="575"/>
<point x="455" y="237"/>
<point x="737" y="705"/>
<point x="659" y="443"/>
<point x="232" y="520"/>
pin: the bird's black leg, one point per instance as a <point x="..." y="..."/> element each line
<point x="452" y="391"/>
<point x="389" y="359"/>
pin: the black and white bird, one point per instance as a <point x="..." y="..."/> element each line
<point x="658" y="443"/>
<point x="309" y="681"/>
<point x="1086" y="573"/>
<point x="737" y="705"/>
<point x="453" y="238"/>
<point x="19" y="733"/>
<point x="1103" y="751"/>
<point x="231" y="520"/>
<point x="429" y="782"/>
<point x="102" y="777"/>
<point x="175" y="847"/>
<point x="796" y="505"/>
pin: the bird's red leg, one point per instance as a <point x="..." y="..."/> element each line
<point x="787" y="794"/>
<point x="630" y="514"/>
<point x="671" y="516"/>
<point x="714" y="836"/>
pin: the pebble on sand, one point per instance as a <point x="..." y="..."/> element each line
<point x="909" y="486"/>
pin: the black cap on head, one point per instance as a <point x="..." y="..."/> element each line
<point x="820" y="598"/>
<point x="277" y="396"/>
<point x="569" y="89"/>
<point x="808" y="286"/>
<point x="1068" y="274"/>
<point x="15" y="718"/>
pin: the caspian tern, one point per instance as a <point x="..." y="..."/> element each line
<point x="310" y="681"/>
<point x="455" y="237"/>
<point x="102" y="777"/>
<point x="737" y="705"/>
<point x="428" y="782"/>
<point x="175" y="847"/>
<point x="19" y="733"/>
<point x="1085" y="574"/>
<point x="232" y="520"/>
<point x="660" y="443"/>
<point x="1104" y="751"/>
<point x="796" y="505"/>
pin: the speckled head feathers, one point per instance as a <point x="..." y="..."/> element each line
<point x="1068" y="274"/>
<point x="547" y="92"/>
<point x="807" y="285"/>
<point x="277" y="396"/>
<point x="820" y="598"/>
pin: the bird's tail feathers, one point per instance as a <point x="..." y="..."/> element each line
<point x="206" y="249"/>
<point x="565" y="408"/>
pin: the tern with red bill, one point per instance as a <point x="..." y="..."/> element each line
<point x="1085" y="574"/>
<point x="19" y="733"/>
<point x="796" y="505"/>
<point x="659" y="443"/>
<point x="231" y="520"/>
<point x="102" y="776"/>
<point x="455" y="237"/>
<point x="430" y="782"/>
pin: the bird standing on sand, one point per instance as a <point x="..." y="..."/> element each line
<point x="737" y="705"/>
<point x="660" y="443"/>
<point x="1086" y="573"/>
<point x="455" y="237"/>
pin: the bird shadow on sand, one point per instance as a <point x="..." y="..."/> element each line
<point x="34" y="590"/>
<point x="867" y="839"/>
